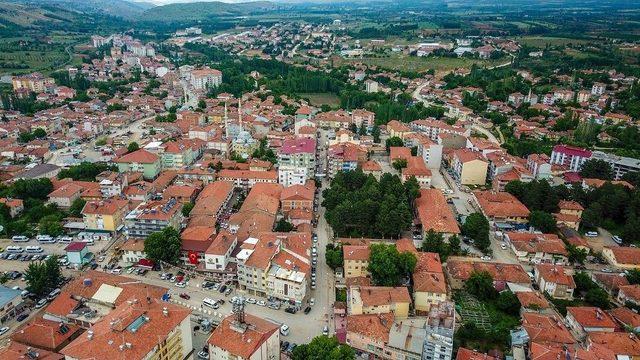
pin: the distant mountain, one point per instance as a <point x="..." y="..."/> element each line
<point x="119" y="8"/>
<point x="203" y="10"/>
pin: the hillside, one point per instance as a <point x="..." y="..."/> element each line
<point x="203" y="10"/>
<point x="119" y="8"/>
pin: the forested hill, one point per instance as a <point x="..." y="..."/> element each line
<point x="204" y="10"/>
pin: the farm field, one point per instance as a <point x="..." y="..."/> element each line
<point x="542" y="41"/>
<point x="319" y="99"/>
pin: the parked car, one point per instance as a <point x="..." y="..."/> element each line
<point x="22" y="317"/>
<point x="185" y="296"/>
<point x="591" y="234"/>
<point x="284" y="329"/>
<point x="325" y="330"/>
<point x="251" y="301"/>
<point x="617" y="239"/>
<point x="290" y="310"/>
<point x="222" y="288"/>
<point x="228" y="291"/>
<point x="181" y="284"/>
<point x="261" y="303"/>
<point x="307" y="310"/>
<point x="4" y="330"/>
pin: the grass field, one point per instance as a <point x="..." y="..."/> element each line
<point x="319" y="99"/>
<point x="542" y="41"/>
<point x="420" y="64"/>
<point x="39" y="56"/>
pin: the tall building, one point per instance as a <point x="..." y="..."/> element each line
<point x="296" y="155"/>
<point x="570" y="156"/>
<point x="205" y="78"/>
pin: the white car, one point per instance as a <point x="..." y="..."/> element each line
<point x="312" y="301"/>
<point x="261" y="303"/>
<point x="251" y="301"/>
<point x="486" y="258"/>
<point x="284" y="329"/>
<point x="181" y="284"/>
<point x="3" y="330"/>
<point x="41" y="303"/>
<point x="591" y="234"/>
<point x="503" y="246"/>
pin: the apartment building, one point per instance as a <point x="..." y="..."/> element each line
<point x="202" y="79"/>
<point x="153" y="216"/>
<point x="298" y="153"/>
<point x="245" y="337"/>
<point x="104" y="215"/>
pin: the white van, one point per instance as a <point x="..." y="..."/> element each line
<point x="14" y="249"/>
<point x="53" y="294"/>
<point x="34" y="249"/>
<point x="44" y="238"/>
<point x="210" y="303"/>
<point x="19" y="238"/>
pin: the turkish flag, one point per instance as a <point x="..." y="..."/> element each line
<point x="193" y="257"/>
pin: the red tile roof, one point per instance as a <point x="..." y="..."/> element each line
<point x="591" y="317"/>
<point x="434" y="212"/>
<point x="242" y="344"/>
<point x="546" y="329"/>
<point x="501" y="204"/>
<point x="141" y="156"/>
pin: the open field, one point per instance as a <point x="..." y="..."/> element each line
<point x="17" y="57"/>
<point x="319" y="99"/>
<point x="413" y="63"/>
<point x="542" y="41"/>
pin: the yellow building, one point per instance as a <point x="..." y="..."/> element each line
<point x="469" y="167"/>
<point x="622" y="257"/>
<point x="397" y="129"/>
<point x="429" y="285"/>
<point x="379" y="300"/>
<point x="104" y="215"/>
<point x="356" y="261"/>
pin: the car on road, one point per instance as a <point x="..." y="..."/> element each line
<point x="222" y="288"/>
<point x="591" y="234"/>
<point x="22" y="317"/>
<point x="41" y="303"/>
<point x="503" y="246"/>
<point x="3" y="330"/>
<point x="181" y="284"/>
<point x="485" y="258"/>
<point x="284" y="329"/>
<point x="325" y="330"/>
<point x="290" y="310"/>
<point x="307" y="310"/>
<point x="312" y="301"/>
<point x="617" y="239"/>
<point x="606" y="270"/>
<point x="204" y="355"/>
<point x="313" y="284"/>
<point x="228" y="291"/>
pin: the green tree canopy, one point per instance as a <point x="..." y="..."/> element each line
<point x="480" y="284"/>
<point x="388" y="267"/>
<point x="85" y="171"/>
<point x="543" y="221"/>
<point x="133" y="146"/>
<point x="597" y="169"/>
<point x="323" y="348"/>
<point x="163" y="246"/>
<point x="393" y="142"/>
<point x="334" y="256"/>
<point x="476" y="226"/>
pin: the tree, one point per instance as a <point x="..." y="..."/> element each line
<point x="31" y="188"/>
<point x="388" y="267"/>
<point x="283" y="226"/>
<point x="455" y="248"/>
<point x="85" y="171"/>
<point x="36" y="278"/>
<point x="598" y="297"/>
<point x="42" y="277"/>
<point x="399" y="164"/>
<point x="334" y="256"/>
<point x="480" y="284"/>
<point x="76" y="207"/>
<point x="393" y="142"/>
<point x="434" y="242"/>
<point x="576" y="255"/>
<point x="39" y="133"/>
<point x="186" y="209"/>
<point x="476" y="226"/>
<point x="323" y="348"/>
<point x="133" y="146"/>
<point x="543" y="221"/>
<point x="375" y="132"/>
<point x="163" y="246"/>
<point x="202" y="104"/>
<point x="363" y="129"/>
<point x="50" y="225"/>
<point x="596" y="168"/>
<point x="633" y="276"/>
<point x="583" y="282"/>
<point x="508" y="302"/>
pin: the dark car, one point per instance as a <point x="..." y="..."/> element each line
<point x="22" y="317"/>
<point x="290" y="310"/>
<point x="284" y="346"/>
<point x="222" y="288"/>
<point x="307" y="310"/>
<point x="220" y="302"/>
<point x="94" y="266"/>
